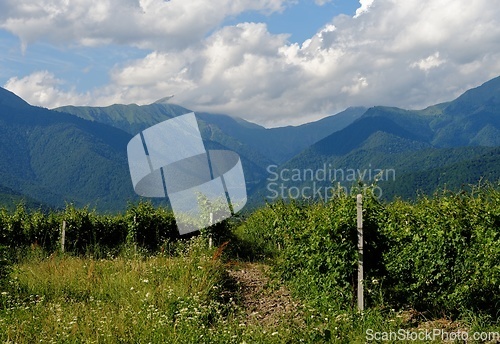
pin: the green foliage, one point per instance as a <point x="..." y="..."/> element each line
<point x="143" y="225"/>
<point x="148" y="226"/>
<point x="86" y="230"/>
<point x="215" y="212"/>
<point x="257" y="234"/>
<point x="41" y="229"/>
<point x="443" y="252"/>
<point x="440" y="254"/>
<point x="13" y="227"/>
<point x="5" y="266"/>
<point x="314" y="245"/>
<point x="319" y="252"/>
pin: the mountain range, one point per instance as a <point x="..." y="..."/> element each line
<point x="54" y="157"/>
<point x="78" y="154"/>
<point x="448" y="144"/>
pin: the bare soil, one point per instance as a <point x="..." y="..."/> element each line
<point x="261" y="301"/>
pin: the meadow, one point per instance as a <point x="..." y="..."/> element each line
<point x="285" y="273"/>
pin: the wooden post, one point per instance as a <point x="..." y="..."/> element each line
<point x="210" y="234"/>
<point x="63" y="235"/>
<point x="135" y="234"/>
<point x="359" y="206"/>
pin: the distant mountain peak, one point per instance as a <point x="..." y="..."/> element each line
<point x="164" y="99"/>
<point x="485" y="95"/>
<point x="7" y="98"/>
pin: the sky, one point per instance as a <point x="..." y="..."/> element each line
<point x="272" y="62"/>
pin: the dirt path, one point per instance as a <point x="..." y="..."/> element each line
<point x="262" y="302"/>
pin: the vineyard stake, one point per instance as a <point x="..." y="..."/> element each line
<point x="359" y="206"/>
<point x="210" y="233"/>
<point x="63" y="235"/>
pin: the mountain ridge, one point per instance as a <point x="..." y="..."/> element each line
<point x="274" y="145"/>
<point x="57" y="158"/>
<point x="78" y="154"/>
<point x="390" y="138"/>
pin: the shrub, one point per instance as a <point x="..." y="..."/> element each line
<point x="42" y="230"/>
<point x="13" y="234"/>
<point x="317" y="253"/>
<point x="440" y="254"/>
<point x="258" y="236"/>
<point x="443" y="253"/>
<point x="148" y="226"/>
<point x="4" y="264"/>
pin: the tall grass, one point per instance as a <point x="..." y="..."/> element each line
<point x="138" y="299"/>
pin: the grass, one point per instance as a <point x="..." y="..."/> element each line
<point x="126" y="299"/>
<point x="141" y="298"/>
<point x="136" y="298"/>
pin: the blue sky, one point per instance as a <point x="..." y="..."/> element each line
<point x="301" y="20"/>
<point x="83" y="67"/>
<point x="88" y="67"/>
<point x="273" y="62"/>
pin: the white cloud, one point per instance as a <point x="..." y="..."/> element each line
<point x="410" y="53"/>
<point x="151" y="24"/>
<point x="321" y="2"/>
<point x="429" y="62"/>
<point x="359" y="83"/>
<point x="44" y="89"/>
<point x="365" y="6"/>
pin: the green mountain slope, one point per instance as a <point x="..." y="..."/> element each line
<point x="134" y="118"/>
<point x="257" y="146"/>
<point x="260" y="145"/>
<point x="131" y="118"/>
<point x="471" y="119"/>
<point x="56" y="158"/>
<point x="9" y="199"/>
<point x="450" y="143"/>
<point x="452" y="176"/>
<point x="280" y="144"/>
